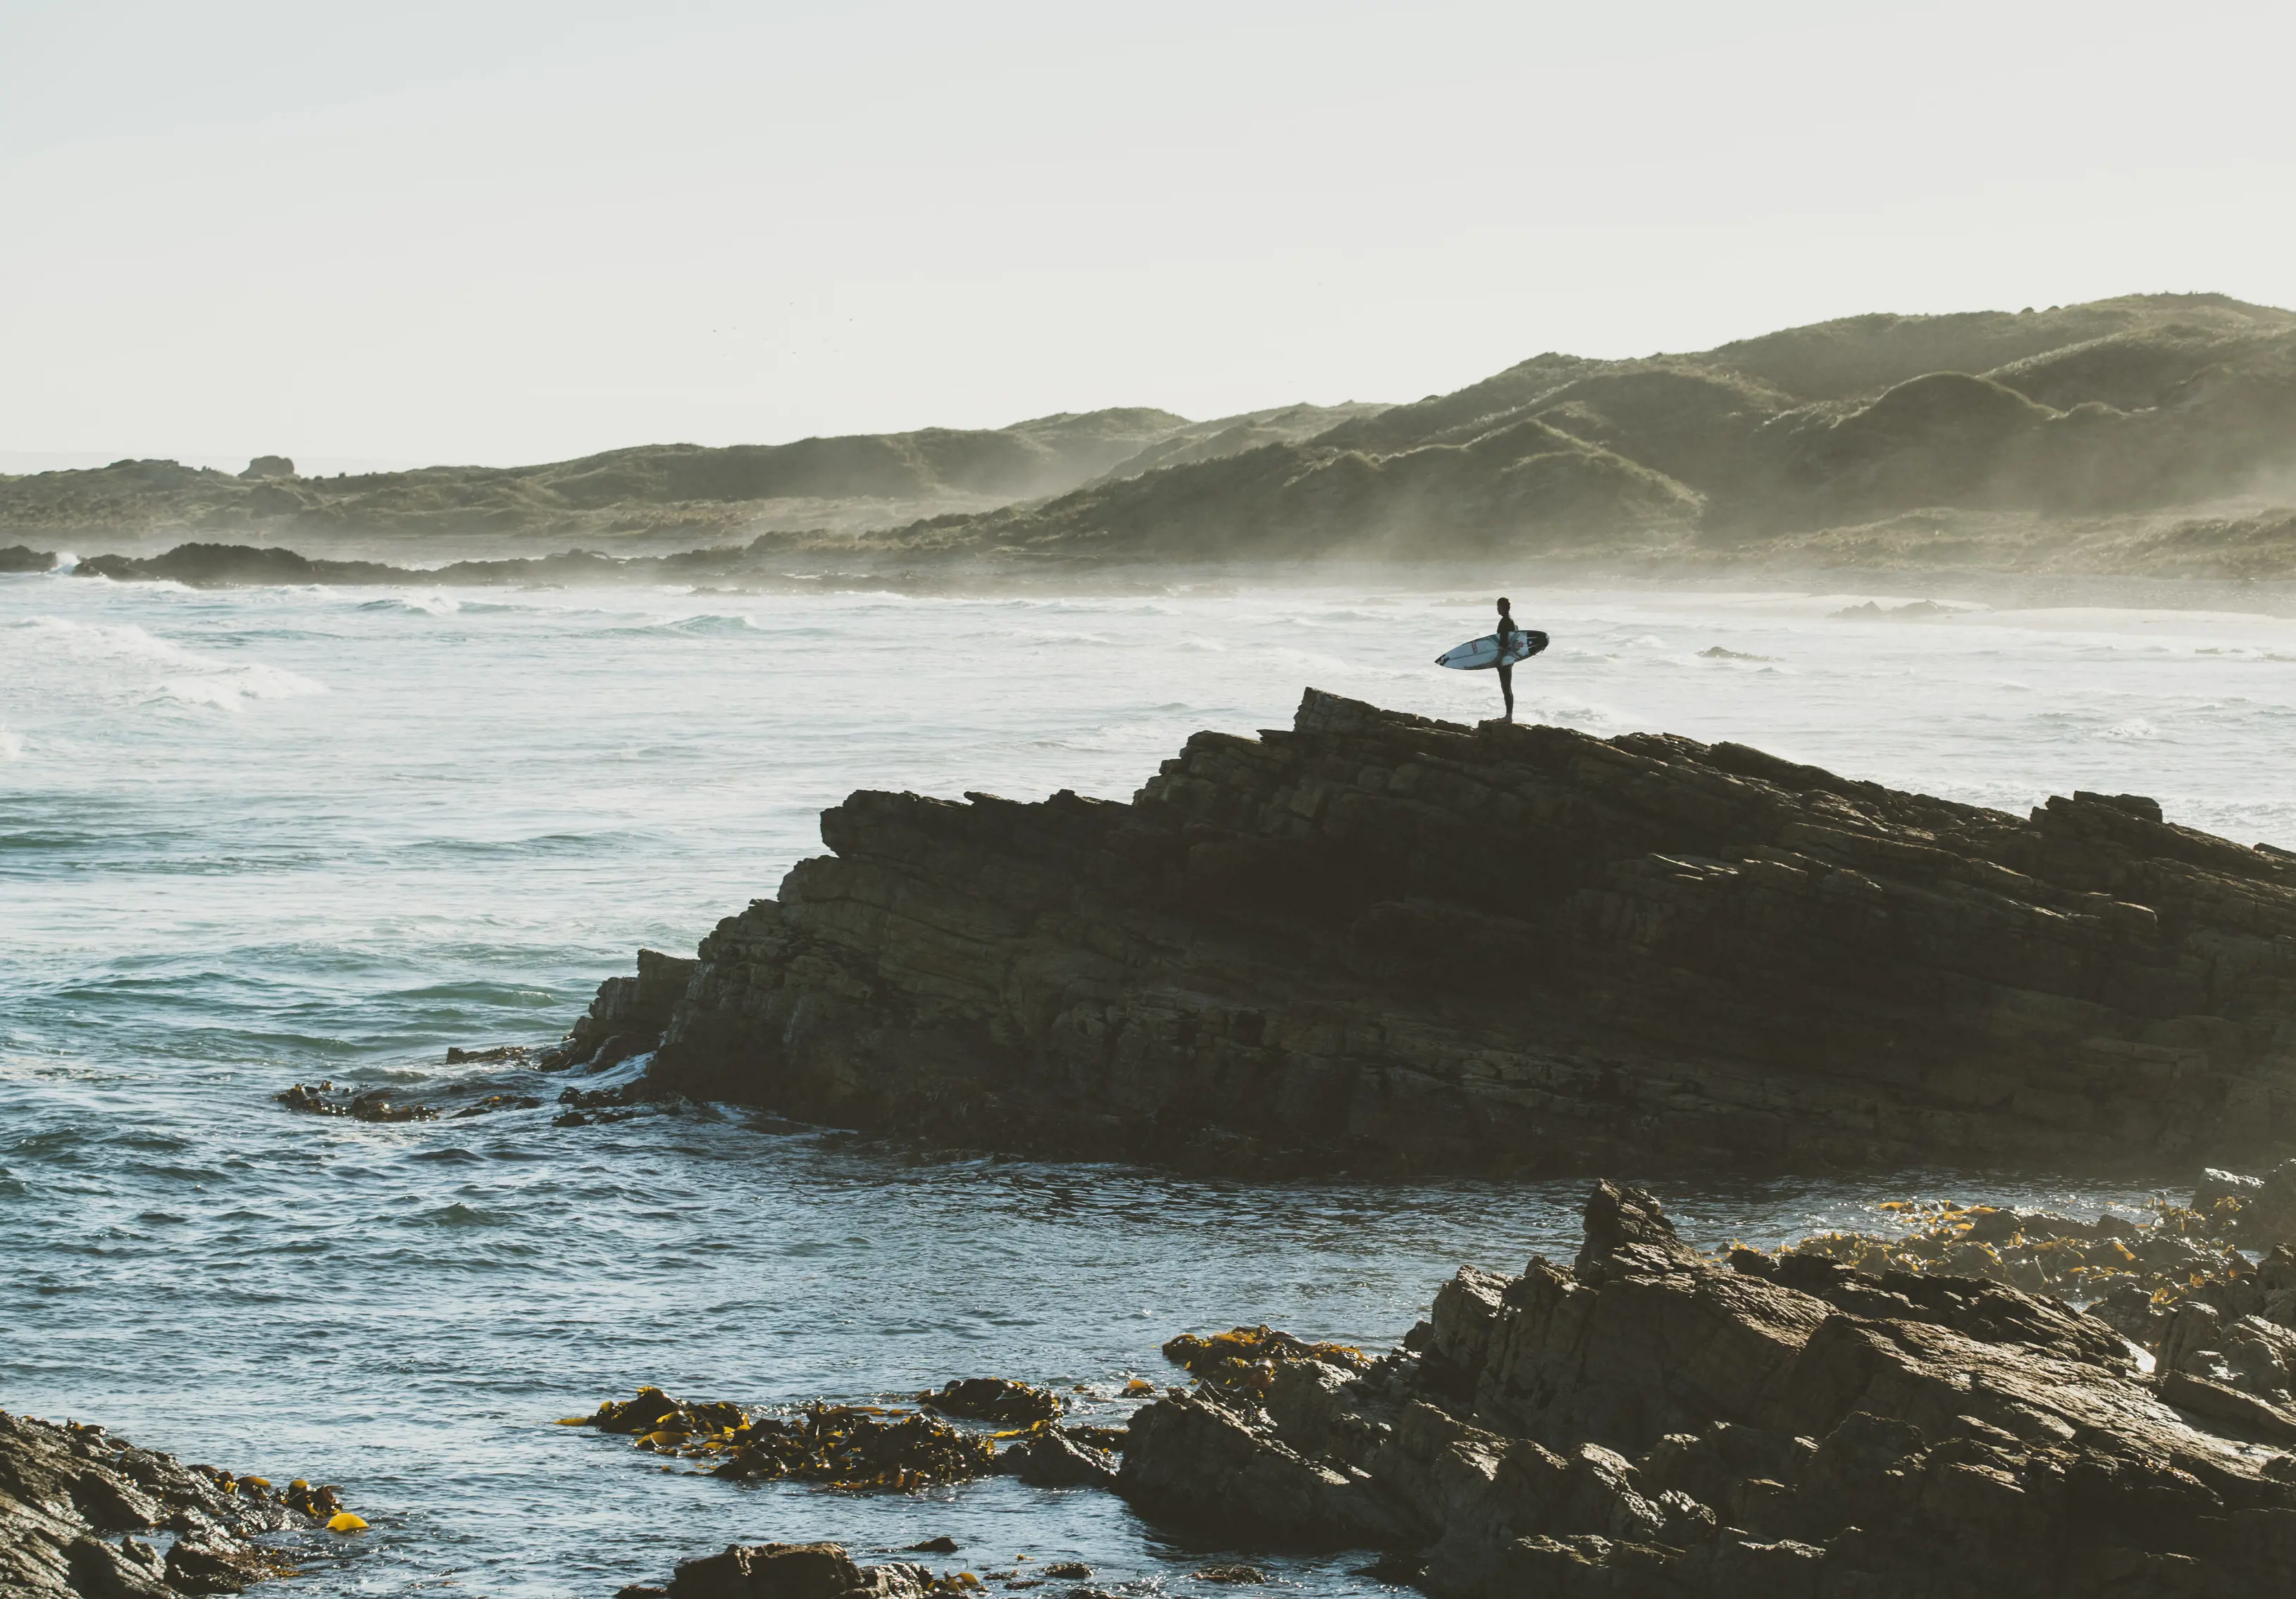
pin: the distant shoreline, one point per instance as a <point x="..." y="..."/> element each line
<point x="2239" y="560"/>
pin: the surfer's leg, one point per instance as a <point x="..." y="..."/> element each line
<point x="1507" y="688"/>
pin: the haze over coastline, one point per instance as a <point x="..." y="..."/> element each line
<point x="2148" y="435"/>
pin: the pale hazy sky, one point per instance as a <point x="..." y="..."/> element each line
<point x="512" y="231"/>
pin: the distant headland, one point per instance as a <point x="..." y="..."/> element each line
<point x="2149" y="435"/>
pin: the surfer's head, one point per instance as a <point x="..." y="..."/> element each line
<point x="1506" y="606"/>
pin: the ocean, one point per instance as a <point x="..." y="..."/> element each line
<point x="258" y="836"/>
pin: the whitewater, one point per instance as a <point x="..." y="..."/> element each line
<point x="251" y="837"/>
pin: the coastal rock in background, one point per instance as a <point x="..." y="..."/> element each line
<point x="269" y="466"/>
<point x="1384" y="944"/>
<point x="18" y="558"/>
<point x="66" y="1492"/>
<point x="1652" y="1422"/>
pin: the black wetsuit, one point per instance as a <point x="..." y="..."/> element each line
<point x="1507" y="630"/>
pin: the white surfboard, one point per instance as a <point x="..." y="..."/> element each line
<point x="1480" y="654"/>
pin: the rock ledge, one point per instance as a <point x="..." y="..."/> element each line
<point x="1379" y="943"/>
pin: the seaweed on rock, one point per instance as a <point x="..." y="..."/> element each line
<point x="1650" y="1421"/>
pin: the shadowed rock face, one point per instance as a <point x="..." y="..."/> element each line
<point x="1650" y="1422"/>
<point x="794" y="1571"/>
<point x="69" y="1493"/>
<point x="1381" y="943"/>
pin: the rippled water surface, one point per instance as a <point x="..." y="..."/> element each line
<point x="254" y="836"/>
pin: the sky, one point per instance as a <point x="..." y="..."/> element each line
<point x="498" y="232"/>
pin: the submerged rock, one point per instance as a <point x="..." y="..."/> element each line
<point x="498" y="1101"/>
<point x="68" y="1492"/>
<point x="801" y="1572"/>
<point x="838" y="1446"/>
<point x="1648" y="1421"/>
<point x="1381" y="943"/>
<point x="324" y="1098"/>
<point x="498" y="1052"/>
<point x="998" y="1399"/>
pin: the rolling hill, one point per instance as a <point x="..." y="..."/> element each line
<point x="2135" y="406"/>
<point x="2146" y="433"/>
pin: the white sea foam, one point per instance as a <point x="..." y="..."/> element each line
<point x="230" y="689"/>
<point x="90" y="664"/>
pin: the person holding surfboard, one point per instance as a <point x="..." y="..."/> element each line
<point x="1505" y="636"/>
<point x="1501" y="649"/>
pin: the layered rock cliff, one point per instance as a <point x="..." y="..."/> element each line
<point x="72" y="1498"/>
<point x="1380" y="943"/>
<point x="1647" y="1422"/>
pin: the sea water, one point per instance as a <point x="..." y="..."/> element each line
<point x="254" y="836"/>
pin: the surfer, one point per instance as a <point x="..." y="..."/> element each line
<point x="1504" y="650"/>
<point x="1506" y="632"/>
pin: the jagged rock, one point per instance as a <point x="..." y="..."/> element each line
<point x="998" y="1399"/>
<point x="325" y="1098"/>
<point x="21" y="558"/>
<point x="795" y="1571"/>
<point x="2216" y="1185"/>
<point x="838" y="1445"/>
<point x="2160" y="1259"/>
<point x="68" y="1492"/>
<point x="1650" y="1422"/>
<point x="2268" y="1212"/>
<point x="1245" y="1360"/>
<point x="1052" y="1458"/>
<point x="1381" y="943"/>
<point x="627" y="1016"/>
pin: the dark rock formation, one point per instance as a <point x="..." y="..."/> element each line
<point x="1647" y="1422"/>
<point x="67" y="1494"/>
<point x="1380" y="943"/>
<point x="795" y="1571"/>
<point x="2267" y="1212"/>
<point x="269" y="466"/>
<point x="838" y="1445"/>
<point x="627" y="1016"/>
<point x="998" y="1399"/>
<point x="17" y="558"/>
<point x="324" y="1098"/>
<point x="239" y="565"/>
<point x="1052" y="1457"/>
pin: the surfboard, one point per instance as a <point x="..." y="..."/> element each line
<point x="1480" y="654"/>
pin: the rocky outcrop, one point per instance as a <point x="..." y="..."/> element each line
<point x="1379" y="943"/>
<point x="21" y="558"/>
<point x="1647" y="1421"/>
<point x="794" y="1571"/>
<point x="838" y="1446"/>
<point x="626" y="1018"/>
<point x="69" y="1493"/>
